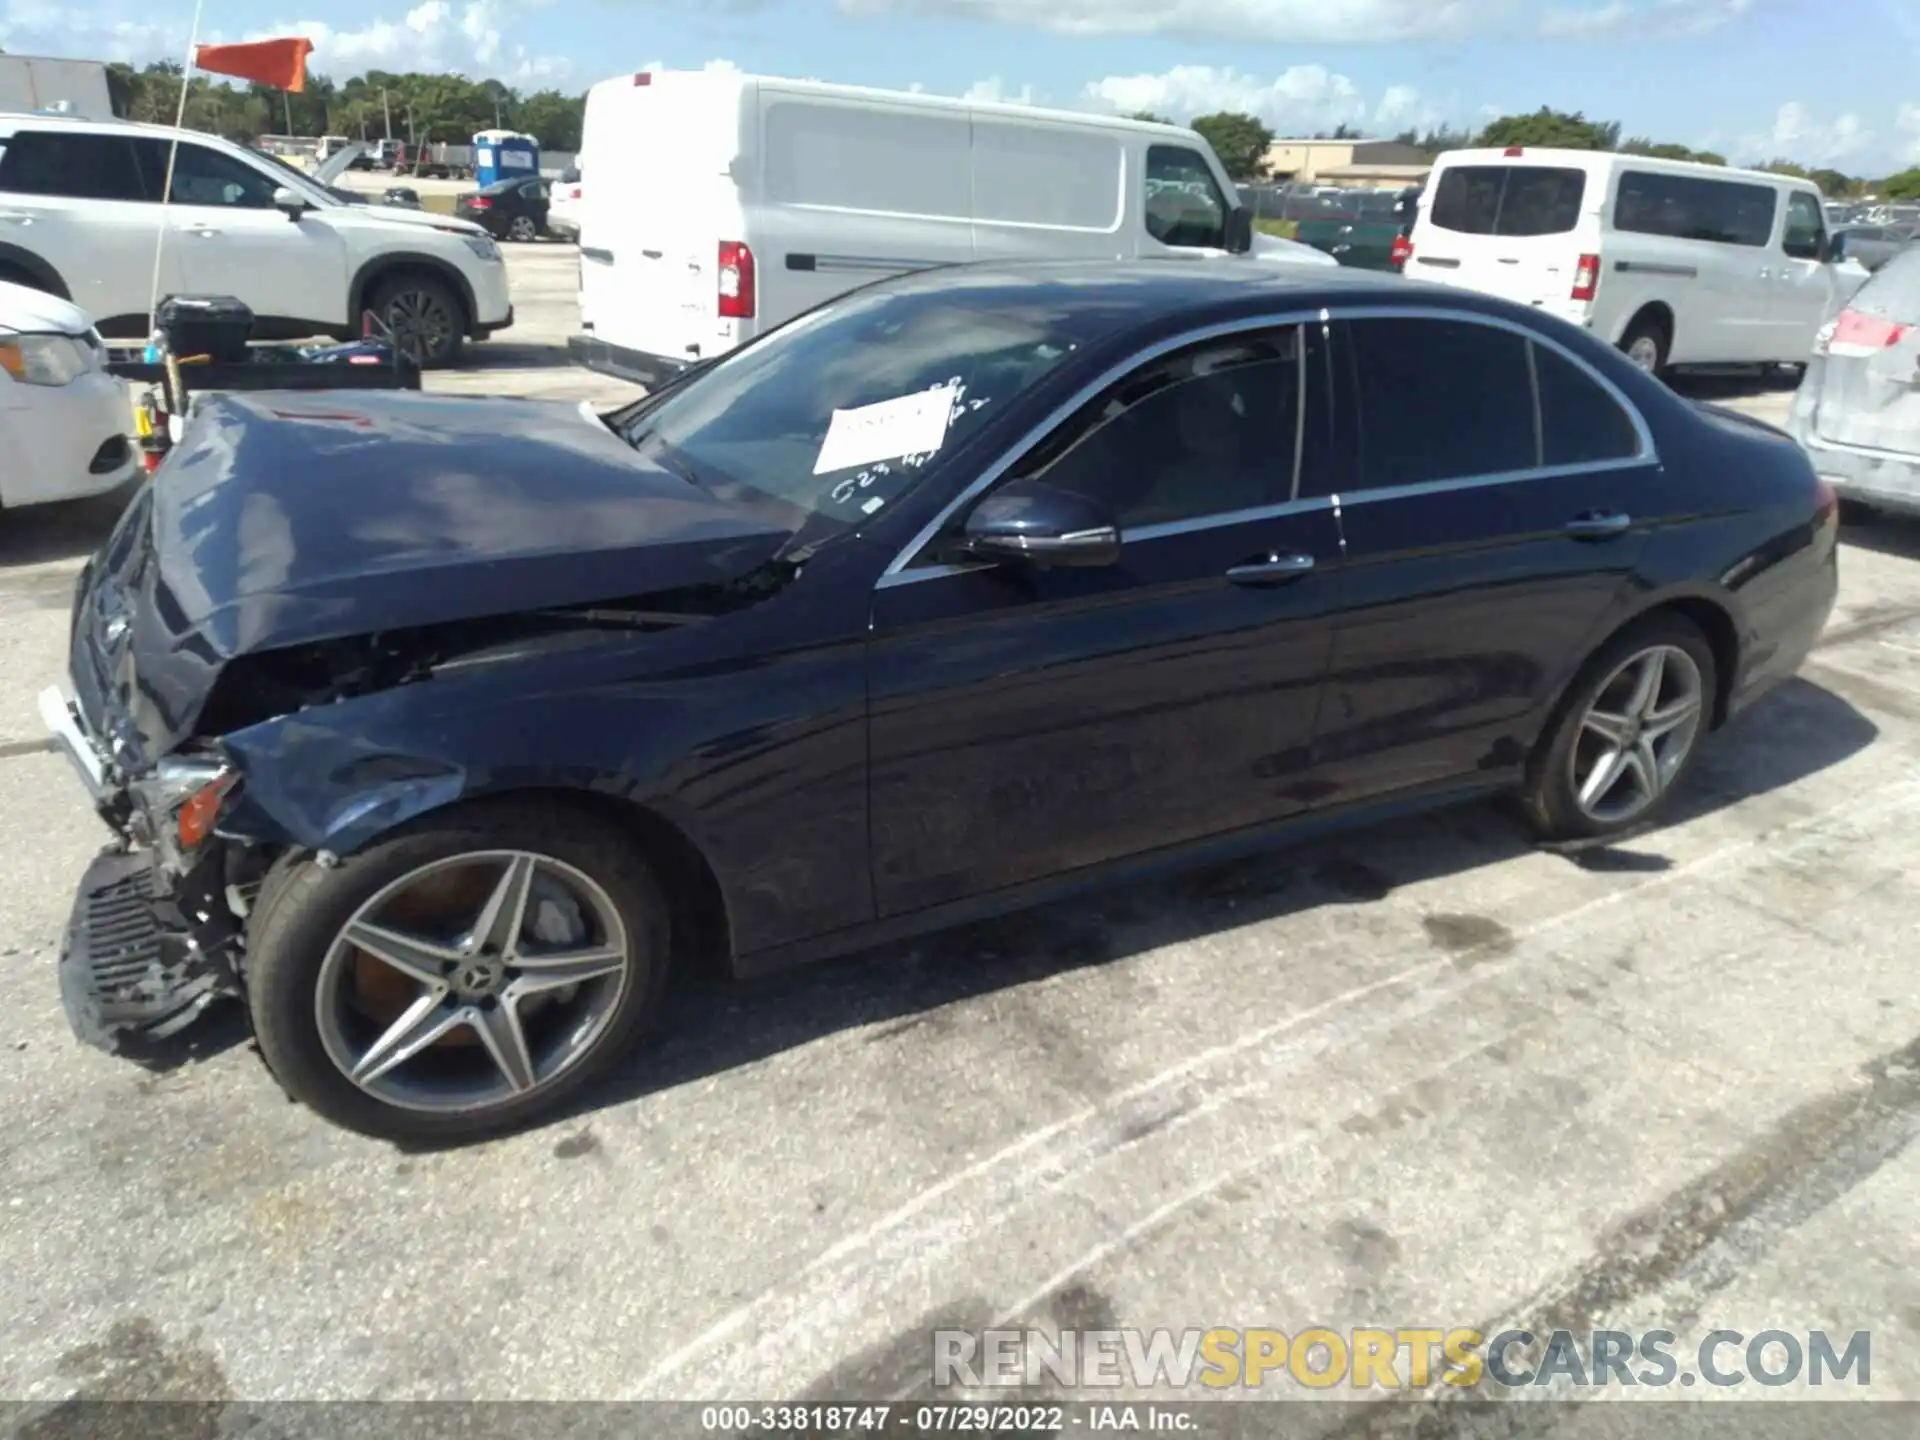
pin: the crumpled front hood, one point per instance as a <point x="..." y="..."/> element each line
<point x="288" y="518"/>
<point x="284" y="519"/>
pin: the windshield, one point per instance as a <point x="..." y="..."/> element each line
<point x="839" y="414"/>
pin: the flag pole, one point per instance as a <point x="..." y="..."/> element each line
<point x="173" y="151"/>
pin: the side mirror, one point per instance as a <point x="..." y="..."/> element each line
<point x="1026" y="520"/>
<point x="1239" y="230"/>
<point x="289" y="204"/>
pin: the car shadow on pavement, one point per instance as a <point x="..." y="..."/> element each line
<point x="1719" y="386"/>
<point x="65" y="530"/>
<point x="511" y="355"/>
<point x="712" y="1025"/>
<point x="1883" y="533"/>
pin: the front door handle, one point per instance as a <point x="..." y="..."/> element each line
<point x="1273" y="570"/>
<point x="202" y="230"/>
<point x="15" y="217"/>
<point x="1599" y="526"/>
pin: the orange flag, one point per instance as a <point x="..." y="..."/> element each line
<point x="280" y="63"/>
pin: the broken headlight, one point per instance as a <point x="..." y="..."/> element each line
<point x="181" y="801"/>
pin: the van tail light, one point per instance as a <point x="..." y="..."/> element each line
<point x="1513" y="150"/>
<point x="1586" y="277"/>
<point x="736" y="280"/>
<point x="1401" y="252"/>
<point x="1852" y="334"/>
<point x="643" y="77"/>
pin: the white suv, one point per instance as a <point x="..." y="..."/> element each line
<point x="80" y="215"/>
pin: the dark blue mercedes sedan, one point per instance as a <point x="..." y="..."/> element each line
<point x="440" y="731"/>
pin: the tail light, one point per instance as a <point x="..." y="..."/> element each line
<point x="1401" y="252"/>
<point x="1852" y="334"/>
<point x="1513" y="150"/>
<point x="643" y="77"/>
<point x="736" y="280"/>
<point x="1586" y="277"/>
<point x="479" y="202"/>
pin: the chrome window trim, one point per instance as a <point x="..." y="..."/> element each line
<point x="897" y="572"/>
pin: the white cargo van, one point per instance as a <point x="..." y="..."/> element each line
<point x="1675" y="263"/>
<point x="723" y="204"/>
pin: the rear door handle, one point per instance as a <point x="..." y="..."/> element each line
<point x="1598" y="527"/>
<point x="653" y="254"/>
<point x="202" y="230"/>
<point x="1274" y="570"/>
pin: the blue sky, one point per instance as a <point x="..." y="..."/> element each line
<point x="1821" y="81"/>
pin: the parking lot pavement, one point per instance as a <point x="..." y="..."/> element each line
<point x="1427" y="1075"/>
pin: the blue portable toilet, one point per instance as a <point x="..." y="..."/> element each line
<point x="504" y="155"/>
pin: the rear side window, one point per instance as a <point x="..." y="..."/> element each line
<point x="1509" y="200"/>
<point x="1036" y="175"/>
<point x="1580" y="423"/>
<point x="75" y="165"/>
<point x="1686" y="207"/>
<point x="899" y="162"/>
<point x="1440" y="400"/>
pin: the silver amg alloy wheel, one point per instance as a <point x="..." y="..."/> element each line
<point x="472" y="981"/>
<point x="1637" y="733"/>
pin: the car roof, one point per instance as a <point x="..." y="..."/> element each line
<point x="1144" y="294"/>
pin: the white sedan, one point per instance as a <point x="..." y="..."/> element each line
<point x="63" y="419"/>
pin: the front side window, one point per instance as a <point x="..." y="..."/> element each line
<point x="1508" y="200"/>
<point x="74" y="165"/>
<point x="1183" y="203"/>
<point x="1805" y="228"/>
<point x="1207" y="431"/>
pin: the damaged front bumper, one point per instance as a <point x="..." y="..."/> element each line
<point x="153" y="940"/>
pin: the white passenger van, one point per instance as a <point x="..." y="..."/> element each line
<point x="1675" y="263"/>
<point x="723" y="204"/>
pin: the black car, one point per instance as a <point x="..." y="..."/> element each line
<point x="508" y="209"/>
<point x="442" y="730"/>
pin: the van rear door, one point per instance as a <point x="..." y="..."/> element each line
<point x="1511" y="229"/>
<point x="667" y="149"/>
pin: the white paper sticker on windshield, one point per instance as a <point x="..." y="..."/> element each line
<point x="911" y="425"/>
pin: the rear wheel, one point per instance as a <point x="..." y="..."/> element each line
<point x="425" y="317"/>
<point x="1626" y="734"/>
<point x="1645" y="344"/>
<point x="461" y="977"/>
<point x="523" y="229"/>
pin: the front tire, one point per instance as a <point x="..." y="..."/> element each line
<point x="425" y="317"/>
<point x="1626" y="734"/>
<point x="461" y="977"/>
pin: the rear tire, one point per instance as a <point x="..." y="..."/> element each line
<point x="523" y="230"/>
<point x="318" y="1008"/>
<point x="1645" y="344"/>
<point x="425" y="316"/>
<point x="1610" y="711"/>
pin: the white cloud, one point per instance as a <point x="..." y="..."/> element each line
<point x="1906" y="125"/>
<point x="1658" y="20"/>
<point x="1329" y="21"/>
<point x="994" y="91"/>
<point x="1301" y="100"/>
<point x="473" y="37"/>
<point x="435" y="35"/>
<point x="1801" y="136"/>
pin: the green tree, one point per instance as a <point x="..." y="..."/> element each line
<point x="1240" y="140"/>
<point x="1436" y="139"/>
<point x="1904" y="186"/>
<point x="552" y="118"/>
<point x="1668" y="151"/>
<point x="1786" y="167"/>
<point x="1555" y="128"/>
<point x="1832" y="182"/>
<point x="1150" y="117"/>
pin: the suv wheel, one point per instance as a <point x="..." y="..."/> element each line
<point x="425" y="317"/>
